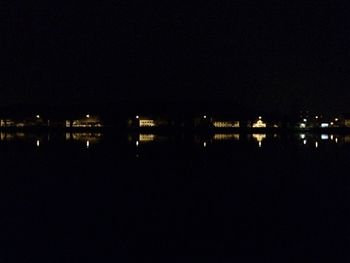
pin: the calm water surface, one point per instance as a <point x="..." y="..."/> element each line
<point x="93" y="197"/>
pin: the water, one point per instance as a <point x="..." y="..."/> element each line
<point x="93" y="197"/>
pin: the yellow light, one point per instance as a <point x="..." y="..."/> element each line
<point x="259" y="124"/>
<point x="147" y="123"/>
<point x="147" y="137"/>
<point x="259" y="138"/>
<point x="226" y="124"/>
<point x="219" y="137"/>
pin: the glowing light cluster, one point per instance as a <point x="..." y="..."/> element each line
<point x="147" y="137"/>
<point x="226" y="124"/>
<point x="147" y="123"/>
<point x="259" y="124"/>
<point x="223" y="137"/>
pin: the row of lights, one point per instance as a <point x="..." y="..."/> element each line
<point x="87" y="116"/>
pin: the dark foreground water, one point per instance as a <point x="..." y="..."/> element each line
<point x="182" y="198"/>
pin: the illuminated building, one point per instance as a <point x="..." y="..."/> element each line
<point x="147" y="123"/>
<point x="84" y="122"/>
<point x="259" y="123"/>
<point x="226" y="124"/>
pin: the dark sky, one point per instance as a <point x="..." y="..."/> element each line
<point x="265" y="55"/>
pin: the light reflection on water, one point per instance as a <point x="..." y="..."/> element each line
<point x="260" y="140"/>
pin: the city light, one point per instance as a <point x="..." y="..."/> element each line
<point x="205" y="144"/>
<point x="259" y="124"/>
<point x="137" y="143"/>
<point x="38" y="116"/>
<point x="87" y="115"/>
<point x="205" y="116"/>
<point x="324" y="125"/>
<point x="304" y="120"/>
<point x="304" y="142"/>
<point x="302" y="136"/>
<point x="87" y="144"/>
<point x="137" y="116"/>
<point x="316" y="144"/>
<point x="324" y="137"/>
<point x="38" y="143"/>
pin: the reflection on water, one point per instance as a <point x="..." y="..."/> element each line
<point x="147" y="137"/>
<point x="226" y="137"/>
<point x="260" y="140"/>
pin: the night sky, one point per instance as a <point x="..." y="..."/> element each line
<point x="271" y="55"/>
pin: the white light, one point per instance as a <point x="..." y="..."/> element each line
<point x="332" y="123"/>
<point x="304" y="142"/>
<point x="37" y="143"/>
<point x="332" y="137"/>
<point x="304" y="120"/>
<point x="260" y="144"/>
<point x="87" y="144"/>
<point x="302" y="125"/>
<point x="260" y="117"/>
<point x="137" y="143"/>
<point x="137" y="116"/>
<point x="38" y="116"/>
<point x="316" y="117"/>
<point x="205" y="144"/>
<point x="87" y="115"/>
<point x="324" y="137"/>
<point x="205" y="116"/>
<point x="302" y="136"/>
<point x="316" y="144"/>
<point x="324" y="125"/>
<point x="336" y="119"/>
<point x="336" y="140"/>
